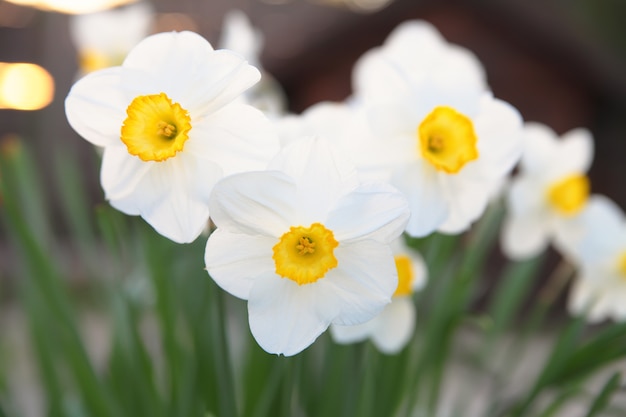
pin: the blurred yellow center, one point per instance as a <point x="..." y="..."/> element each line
<point x="622" y="265"/>
<point x="305" y="254"/>
<point x="155" y="129"/>
<point x="447" y="139"/>
<point x="569" y="195"/>
<point x="405" y="275"/>
<point x="90" y="60"/>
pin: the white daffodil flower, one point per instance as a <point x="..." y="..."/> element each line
<point x="452" y="142"/>
<point x="391" y="330"/>
<point x="103" y="39"/>
<point x="169" y="130"/>
<point x="306" y="244"/>
<point x="599" y="290"/>
<point x="549" y="192"/>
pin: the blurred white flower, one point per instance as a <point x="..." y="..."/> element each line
<point x="169" y="130"/>
<point x="240" y="36"/>
<point x="306" y="244"/>
<point x="391" y="330"/>
<point x="451" y="141"/>
<point x="549" y="192"/>
<point x="345" y="126"/>
<point x="103" y="39"/>
<point x="599" y="290"/>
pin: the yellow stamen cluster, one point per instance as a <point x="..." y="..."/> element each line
<point x="156" y="128"/>
<point x="305" y="254"/>
<point x="447" y="139"/>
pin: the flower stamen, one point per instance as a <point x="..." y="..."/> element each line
<point x="156" y="128"/>
<point x="305" y="246"/>
<point x="305" y="254"/>
<point x="166" y="129"/>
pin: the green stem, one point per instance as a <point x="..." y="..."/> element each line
<point x="227" y="403"/>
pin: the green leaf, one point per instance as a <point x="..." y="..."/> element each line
<point x="602" y="400"/>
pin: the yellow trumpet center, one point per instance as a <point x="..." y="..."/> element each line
<point x="405" y="275"/>
<point x="305" y="254"/>
<point x="621" y="266"/>
<point x="569" y="195"/>
<point x="447" y="139"/>
<point x="155" y="129"/>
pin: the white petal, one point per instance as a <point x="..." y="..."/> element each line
<point x="121" y="172"/>
<point x="352" y="334"/>
<point x="375" y="78"/>
<point x="568" y="233"/>
<point x="173" y="197"/>
<point x="238" y="137"/>
<point x="363" y="281"/>
<point x="395" y="325"/>
<point x="168" y="52"/>
<point x="552" y="157"/>
<point x="185" y="67"/>
<point x="177" y="217"/>
<point x="415" y="35"/>
<point x="524" y="236"/>
<point x="96" y="108"/>
<point x="467" y="200"/>
<point x="605" y="227"/>
<point x="255" y="203"/>
<point x="420" y="48"/>
<point x="285" y="318"/>
<point x="526" y="195"/>
<point x="499" y="131"/>
<point x="414" y="53"/>
<point x="349" y="127"/>
<point x="590" y="298"/>
<point x="322" y="173"/>
<point x="372" y="211"/>
<point x="540" y="148"/>
<point x="421" y="185"/>
<point x="231" y="76"/>
<point x="575" y="151"/>
<point x="234" y="260"/>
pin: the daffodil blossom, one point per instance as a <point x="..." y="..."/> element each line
<point x="549" y="192"/>
<point x="306" y="244"/>
<point x="103" y="38"/>
<point x="452" y="142"/>
<point x="169" y="129"/>
<point x="391" y="330"/>
<point x="599" y="290"/>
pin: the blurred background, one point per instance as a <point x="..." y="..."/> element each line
<point x="559" y="62"/>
